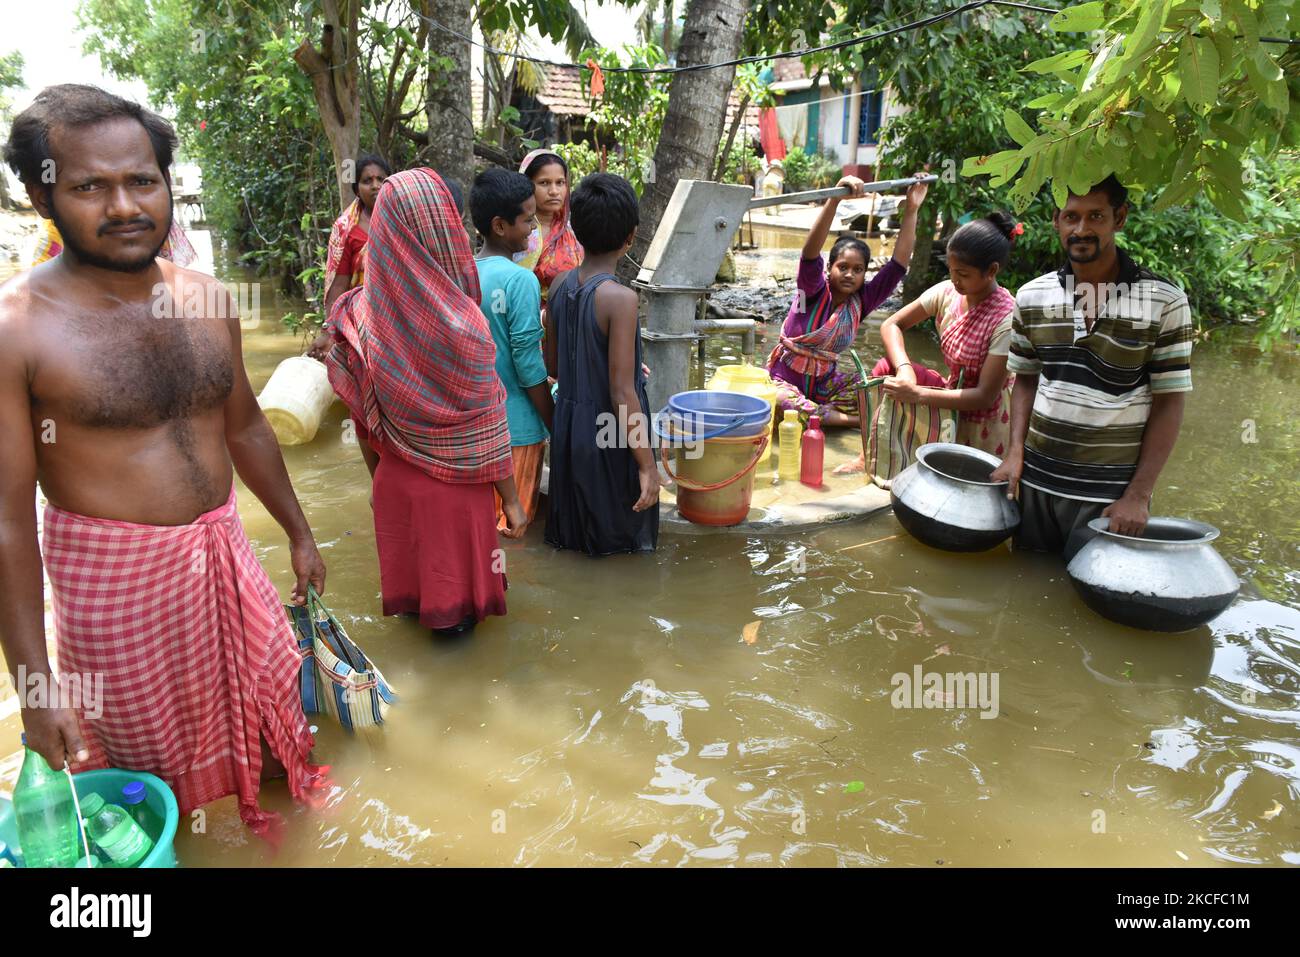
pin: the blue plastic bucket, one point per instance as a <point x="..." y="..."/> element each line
<point x="108" y="783"/>
<point x="703" y="414"/>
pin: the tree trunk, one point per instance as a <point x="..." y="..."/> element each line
<point x="697" y="109"/>
<point x="333" y="73"/>
<point x="6" y="201"/>
<point x="918" y="273"/>
<point x="668" y="28"/>
<point x="447" y="105"/>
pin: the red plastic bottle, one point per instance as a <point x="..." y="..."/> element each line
<point x="812" y="451"/>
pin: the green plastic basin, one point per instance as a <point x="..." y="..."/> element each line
<point x="108" y="783"/>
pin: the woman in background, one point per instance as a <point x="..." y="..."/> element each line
<point x="552" y="248"/>
<point x="412" y="357"/>
<point x="345" y="257"/>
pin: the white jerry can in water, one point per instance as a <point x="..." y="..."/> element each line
<point x="296" y="398"/>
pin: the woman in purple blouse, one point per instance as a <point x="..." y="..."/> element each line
<point x="825" y="314"/>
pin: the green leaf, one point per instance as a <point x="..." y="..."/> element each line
<point x="1084" y="17"/>
<point x="1187" y="160"/>
<point x="1159" y="124"/>
<point x="1211" y="9"/>
<point x="1048" y="101"/>
<point x="1103" y="57"/>
<point x="1059" y="63"/>
<point x="1228" y="201"/>
<point x="1226" y="45"/>
<point x="995" y="163"/>
<point x="1059" y="193"/>
<point x="1169" y="88"/>
<point x="1244" y="17"/>
<point x="853" y="787"/>
<point x="1147" y="30"/>
<point x="1198" y="67"/>
<point x="1230" y="134"/>
<point x="1020" y="131"/>
<point x="1225" y="167"/>
<point x="1175" y="193"/>
<point x="1267" y="80"/>
<point x="1085" y="169"/>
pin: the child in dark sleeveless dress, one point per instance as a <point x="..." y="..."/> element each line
<point x="601" y="500"/>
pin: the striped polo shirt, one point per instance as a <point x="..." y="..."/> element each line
<point x="1095" y="388"/>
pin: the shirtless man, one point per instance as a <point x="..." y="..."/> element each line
<point x="131" y="412"/>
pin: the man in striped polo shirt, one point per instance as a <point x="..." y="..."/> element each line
<point x="1101" y="351"/>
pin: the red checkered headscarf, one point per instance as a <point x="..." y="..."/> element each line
<point x="413" y="355"/>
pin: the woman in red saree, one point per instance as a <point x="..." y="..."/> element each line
<point x="973" y="315"/>
<point x="345" y="256"/>
<point x="412" y="356"/>
<point x="553" y="248"/>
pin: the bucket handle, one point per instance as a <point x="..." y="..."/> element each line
<point x="664" y="414"/>
<point x="713" y="486"/>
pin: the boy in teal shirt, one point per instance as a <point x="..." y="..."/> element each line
<point x="503" y="208"/>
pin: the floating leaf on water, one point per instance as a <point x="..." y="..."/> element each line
<point x="853" y="787"/>
<point x="750" y="632"/>
<point x="943" y="650"/>
<point x="1182" y="855"/>
<point x="1273" y="812"/>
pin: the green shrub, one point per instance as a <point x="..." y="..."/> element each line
<point x="811" y="171"/>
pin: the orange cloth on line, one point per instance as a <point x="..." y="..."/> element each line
<point x="769" y="135"/>
<point x="528" y="480"/>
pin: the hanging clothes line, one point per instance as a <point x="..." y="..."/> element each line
<point x="825" y="99"/>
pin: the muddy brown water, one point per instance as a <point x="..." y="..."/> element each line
<point x="629" y="711"/>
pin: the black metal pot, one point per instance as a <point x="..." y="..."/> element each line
<point x="1169" y="579"/>
<point x="945" y="499"/>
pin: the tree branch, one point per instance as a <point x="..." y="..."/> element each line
<point x="731" y="137"/>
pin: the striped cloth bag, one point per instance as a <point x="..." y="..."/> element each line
<point x="336" y="677"/>
<point x="893" y="431"/>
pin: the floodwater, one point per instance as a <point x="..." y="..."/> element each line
<point x="728" y="700"/>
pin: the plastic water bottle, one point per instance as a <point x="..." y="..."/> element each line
<point x="45" y="813"/>
<point x="134" y="801"/>
<point x="813" y="453"/>
<point x="788" y="430"/>
<point x="114" y="832"/>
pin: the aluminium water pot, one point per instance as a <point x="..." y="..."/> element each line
<point x="945" y="499"/>
<point x="1169" y="579"/>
